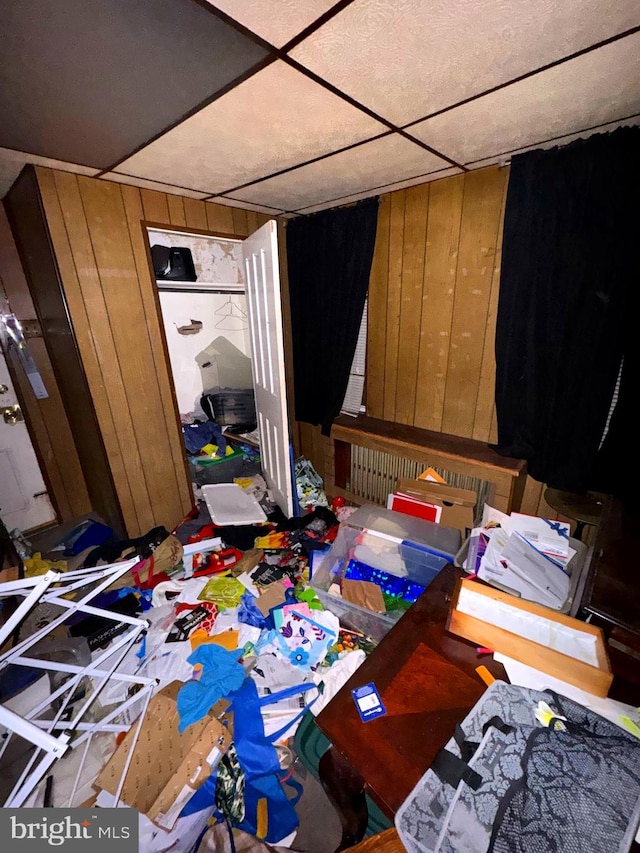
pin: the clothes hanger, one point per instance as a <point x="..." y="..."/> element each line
<point x="233" y="318"/>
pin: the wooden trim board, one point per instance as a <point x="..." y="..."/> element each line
<point x="594" y="679"/>
<point x="453" y="453"/>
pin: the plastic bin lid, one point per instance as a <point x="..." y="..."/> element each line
<point x="229" y="504"/>
<point x="407" y="528"/>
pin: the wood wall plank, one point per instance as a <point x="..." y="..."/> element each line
<point x="484" y="425"/>
<point x="413" y="256"/>
<point x="176" y="210"/>
<point x="156" y="206"/>
<point x="436" y="309"/>
<point x="240" y="222"/>
<point x="195" y="213"/>
<point x="478" y="235"/>
<point x="377" y="313"/>
<point x="394" y="296"/>
<point x="92" y="327"/>
<point x="220" y="219"/>
<point x="252" y="221"/>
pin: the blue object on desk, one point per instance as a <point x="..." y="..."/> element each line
<point x="389" y="584"/>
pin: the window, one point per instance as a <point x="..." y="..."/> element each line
<point x="352" y="403"/>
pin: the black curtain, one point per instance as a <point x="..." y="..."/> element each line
<point x="329" y="258"/>
<point x="567" y="311"/>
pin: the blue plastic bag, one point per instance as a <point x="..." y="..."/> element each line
<point x="269" y="814"/>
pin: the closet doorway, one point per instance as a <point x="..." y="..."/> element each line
<point x="223" y="327"/>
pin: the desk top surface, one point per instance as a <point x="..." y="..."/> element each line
<point x="428" y="683"/>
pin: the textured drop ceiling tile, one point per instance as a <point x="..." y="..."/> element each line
<point x="90" y="81"/>
<point x="246" y="205"/>
<point x="152" y="185"/>
<point x="276" y="119"/>
<point x="358" y="170"/>
<point x="11" y="163"/>
<point x="593" y="89"/>
<point x="276" y="21"/>
<point x="505" y="156"/>
<point x="389" y="188"/>
<point x="409" y="58"/>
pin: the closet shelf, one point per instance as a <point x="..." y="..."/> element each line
<point x="167" y="284"/>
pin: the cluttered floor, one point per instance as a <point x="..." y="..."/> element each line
<point x="229" y="615"/>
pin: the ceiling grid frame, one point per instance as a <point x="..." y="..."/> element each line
<point x="339" y="142"/>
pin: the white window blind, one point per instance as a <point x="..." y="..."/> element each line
<point x="352" y="403"/>
<point x="614" y="403"/>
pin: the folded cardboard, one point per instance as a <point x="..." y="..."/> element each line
<point x="564" y="647"/>
<point x="363" y="593"/>
<point x="166" y="766"/>
<point x="458" y="505"/>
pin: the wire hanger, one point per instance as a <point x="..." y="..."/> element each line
<point x="232" y="318"/>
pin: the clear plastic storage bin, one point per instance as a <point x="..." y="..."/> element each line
<point x="576" y="568"/>
<point x="403" y="546"/>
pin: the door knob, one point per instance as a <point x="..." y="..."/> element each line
<point x="4" y="389"/>
<point x="12" y="414"/>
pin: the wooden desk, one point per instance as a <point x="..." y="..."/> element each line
<point x="428" y="683"/>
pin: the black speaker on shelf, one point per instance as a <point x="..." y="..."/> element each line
<point x="173" y="263"/>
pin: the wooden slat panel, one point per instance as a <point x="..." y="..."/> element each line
<point x="252" y="221"/>
<point x="240" y="224"/>
<point x="443" y="235"/>
<point x="176" y="210"/>
<point x="479" y="228"/>
<point x="195" y="213"/>
<point x="484" y="426"/>
<point x="413" y="251"/>
<point x="157" y="340"/>
<point x="532" y="497"/>
<point x="158" y="487"/>
<point x="394" y="294"/>
<point x="87" y="305"/>
<point x="219" y="218"/>
<point x="377" y="313"/>
<point x="156" y="208"/>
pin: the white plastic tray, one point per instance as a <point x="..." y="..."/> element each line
<point x="229" y="504"/>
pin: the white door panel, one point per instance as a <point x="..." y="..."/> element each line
<point x="267" y="350"/>
<point x="24" y="502"/>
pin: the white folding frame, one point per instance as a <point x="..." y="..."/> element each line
<point x="52" y="737"/>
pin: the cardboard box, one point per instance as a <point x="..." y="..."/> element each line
<point x="567" y="648"/>
<point x="166" y="766"/>
<point x="458" y="505"/>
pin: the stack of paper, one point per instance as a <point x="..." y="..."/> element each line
<point x="528" y="556"/>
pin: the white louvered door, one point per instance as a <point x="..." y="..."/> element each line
<point x="262" y="272"/>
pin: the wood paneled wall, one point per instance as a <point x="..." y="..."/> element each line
<point x="101" y="249"/>
<point x="432" y="304"/>
<point x="433" y="295"/>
